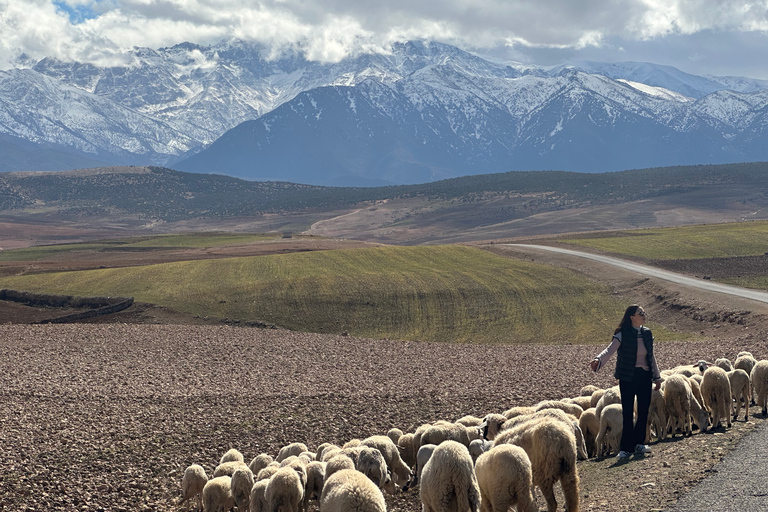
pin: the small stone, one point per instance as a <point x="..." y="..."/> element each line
<point x="666" y="464"/>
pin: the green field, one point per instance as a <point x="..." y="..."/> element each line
<point x="156" y="242"/>
<point x="688" y="242"/>
<point x="437" y="293"/>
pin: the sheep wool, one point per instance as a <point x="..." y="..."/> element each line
<point x="289" y="450"/>
<point x="740" y="388"/>
<point x="448" y="480"/>
<point x="590" y="427"/>
<point x="217" y="494"/>
<point x="337" y="463"/>
<point x="315" y="481"/>
<point x="258" y="497"/>
<point x="349" y="490"/>
<point x="285" y="491"/>
<point x="192" y="484"/>
<point x="505" y="479"/>
<point x="567" y="408"/>
<point x="260" y="462"/>
<point x="232" y="455"/>
<point x="228" y="468"/>
<point x="242" y="484"/>
<point x="611" y="426"/>
<point x="392" y="457"/>
<point x="716" y="391"/>
<point x="682" y="407"/>
<point x="657" y="416"/>
<point x="759" y="377"/>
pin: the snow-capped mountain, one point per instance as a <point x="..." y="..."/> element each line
<point x="421" y="112"/>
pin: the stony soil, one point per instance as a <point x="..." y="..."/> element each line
<point x="107" y="416"/>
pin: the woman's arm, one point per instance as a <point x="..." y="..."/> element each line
<point x="606" y="354"/>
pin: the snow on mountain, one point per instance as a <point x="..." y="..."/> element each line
<point x="423" y="110"/>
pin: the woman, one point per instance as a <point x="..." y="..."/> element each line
<point x="636" y="368"/>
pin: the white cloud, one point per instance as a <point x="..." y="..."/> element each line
<point x="329" y="30"/>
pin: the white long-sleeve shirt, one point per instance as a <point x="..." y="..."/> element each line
<point x="642" y="354"/>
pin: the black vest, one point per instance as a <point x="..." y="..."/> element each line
<point x="626" y="355"/>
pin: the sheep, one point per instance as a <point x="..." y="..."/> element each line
<point x="505" y="478"/>
<point x="517" y="411"/>
<point x="469" y="421"/>
<point x="371" y="463"/>
<point x="438" y="433"/>
<point x="492" y="425"/>
<point x="260" y="462"/>
<point x="746" y="361"/>
<point x="394" y="434"/>
<point x="258" y="496"/>
<point x="448" y="480"/>
<point x="337" y="463"/>
<point x="572" y="409"/>
<point x="724" y="363"/>
<point x="585" y="402"/>
<point x="350" y="491"/>
<point x="352" y="443"/>
<point x="686" y="369"/>
<point x="611" y="426"/>
<point x="716" y="391"/>
<point x="590" y="427"/>
<point x="285" y="491"/>
<point x="307" y="457"/>
<point x="267" y="472"/>
<point x="682" y="406"/>
<point x="478" y="447"/>
<point x="739" y="380"/>
<point x="406" y="447"/>
<point x="759" y="377"/>
<point x="596" y="396"/>
<point x="657" y="416"/>
<point x="551" y="447"/>
<point x="192" y="484"/>
<point x="330" y="452"/>
<point x="588" y="390"/>
<point x="298" y="465"/>
<point x="558" y="414"/>
<point x="232" y="455"/>
<point x="242" y="484"/>
<point x="611" y="396"/>
<point x="217" y="494"/>
<point x="228" y="468"/>
<point x="388" y="449"/>
<point x="291" y="449"/>
<point x="315" y="481"/>
<point x="695" y="383"/>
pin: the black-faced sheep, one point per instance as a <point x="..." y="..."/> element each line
<point x="759" y="377"/>
<point x="505" y="478"/>
<point x="716" y="391"/>
<point x="217" y="494"/>
<point x="388" y="449"/>
<point x="551" y="447"/>
<point x="242" y="484"/>
<point x="351" y="491"/>
<point x="448" y="480"/>
<point x="315" y="482"/>
<point x="290" y="449"/>
<point x="590" y="427"/>
<point x="192" y="484"/>
<point x="682" y="406"/>
<point x="740" y="388"/>
<point x="611" y="426"/>
<point x="285" y="491"/>
<point x="259" y="496"/>
<point x="492" y="424"/>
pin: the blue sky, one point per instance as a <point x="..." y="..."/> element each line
<point x="717" y="37"/>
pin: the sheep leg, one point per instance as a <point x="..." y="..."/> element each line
<point x="570" y="485"/>
<point x="548" y="490"/>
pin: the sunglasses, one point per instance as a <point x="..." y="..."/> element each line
<point x="641" y="313"/>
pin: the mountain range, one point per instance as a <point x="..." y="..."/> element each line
<point x="425" y="111"/>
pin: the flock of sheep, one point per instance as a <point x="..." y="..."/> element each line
<point x="472" y="464"/>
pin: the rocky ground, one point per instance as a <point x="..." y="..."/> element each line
<point x="107" y="416"/>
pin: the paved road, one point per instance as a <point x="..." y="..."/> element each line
<point x="658" y="273"/>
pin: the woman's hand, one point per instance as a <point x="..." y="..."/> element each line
<point x="657" y="384"/>
<point x="594" y="364"/>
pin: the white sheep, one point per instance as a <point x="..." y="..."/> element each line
<point x="724" y="363"/>
<point x="585" y="402"/>
<point x="477" y="447"/>
<point x="398" y="468"/>
<point x="258" y="497"/>
<point x="232" y="455"/>
<point x="217" y="494"/>
<point x="242" y="484"/>
<point x="682" y="407"/>
<point x="557" y="414"/>
<point x="740" y="388"/>
<point x="657" y="416"/>
<point x="329" y="452"/>
<point x="315" y="482"/>
<point x="260" y="462"/>
<point x="746" y="361"/>
<point x="290" y="449"/>
<point x="590" y="427"/>
<point x="588" y="390"/>
<point x="517" y="411"/>
<point x="596" y="396"/>
<point x="285" y="491"/>
<point x="611" y="427"/>
<point x="551" y="447"/>
<point x="448" y="480"/>
<point x="469" y="421"/>
<point x="192" y="484"/>
<point x="394" y="434"/>
<point x="759" y="377"/>
<point x="505" y="478"/>
<point x="371" y="463"/>
<point x="440" y="432"/>
<point x="610" y="396"/>
<point x="349" y="490"/>
<point x="716" y="391"/>
<point x="407" y="448"/>
<point x="572" y="409"/>
<point x="337" y="463"/>
<point x="267" y="472"/>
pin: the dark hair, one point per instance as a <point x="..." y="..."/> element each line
<point x="626" y="321"/>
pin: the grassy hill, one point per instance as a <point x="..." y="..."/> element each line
<point x="441" y="293"/>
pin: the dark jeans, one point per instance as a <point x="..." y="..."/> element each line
<point x="640" y="387"/>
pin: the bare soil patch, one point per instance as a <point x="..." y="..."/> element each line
<point x="106" y="417"/>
